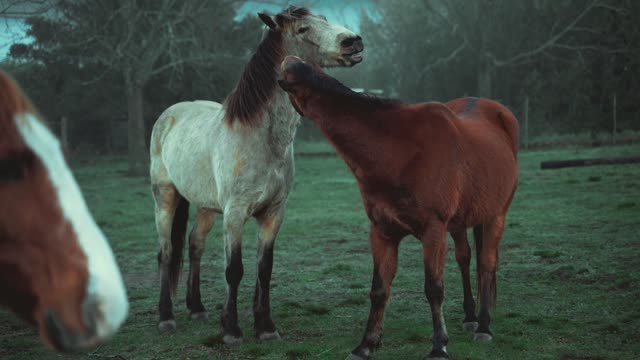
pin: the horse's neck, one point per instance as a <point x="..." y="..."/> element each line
<point x="280" y="122"/>
<point x="352" y="134"/>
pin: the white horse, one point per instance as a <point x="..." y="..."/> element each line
<point x="236" y="159"/>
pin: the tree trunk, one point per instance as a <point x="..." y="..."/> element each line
<point x="136" y="134"/>
<point x="484" y="80"/>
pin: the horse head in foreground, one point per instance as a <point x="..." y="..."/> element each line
<point x="423" y="169"/>
<point x="236" y="159"/>
<point x="57" y="270"/>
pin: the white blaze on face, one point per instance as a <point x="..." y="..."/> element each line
<point x="105" y="286"/>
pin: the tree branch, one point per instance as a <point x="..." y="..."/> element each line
<point x="552" y="41"/>
<point x="444" y="60"/>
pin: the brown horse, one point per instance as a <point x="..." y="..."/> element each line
<point x="57" y="270"/>
<point x="423" y="170"/>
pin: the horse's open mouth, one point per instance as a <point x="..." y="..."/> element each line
<point x="354" y="57"/>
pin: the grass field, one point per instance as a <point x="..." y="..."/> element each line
<point x="567" y="282"/>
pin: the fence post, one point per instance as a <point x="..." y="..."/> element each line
<point x="526" y="122"/>
<point x="64" y="131"/>
<point x="109" y="135"/>
<point x="615" y="118"/>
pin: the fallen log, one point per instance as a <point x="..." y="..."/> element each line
<point x="558" y="164"/>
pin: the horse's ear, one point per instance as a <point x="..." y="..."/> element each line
<point x="268" y="20"/>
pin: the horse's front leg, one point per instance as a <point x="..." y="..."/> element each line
<point x="269" y="224"/>
<point x="434" y="251"/>
<point x="234" y="220"/>
<point x="385" y="263"/>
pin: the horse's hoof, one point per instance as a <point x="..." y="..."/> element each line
<point x="199" y="316"/>
<point x="356" y="357"/>
<point x="266" y="336"/>
<point x="167" y="326"/>
<point x="471" y="326"/>
<point x="482" y="337"/>
<point x="231" y="340"/>
<point x="438" y="355"/>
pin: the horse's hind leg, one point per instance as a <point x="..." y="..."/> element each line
<point x="234" y="220"/>
<point x="463" y="257"/>
<point x="269" y="225"/>
<point x="487" y="266"/>
<point x="204" y="222"/>
<point x="166" y="201"/>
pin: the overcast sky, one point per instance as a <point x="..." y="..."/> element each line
<point x="11" y="31"/>
<point x="343" y="12"/>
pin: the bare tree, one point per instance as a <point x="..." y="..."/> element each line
<point x="486" y="42"/>
<point x="138" y="40"/>
<point x="24" y="8"/>
<point x="13" y="12"/>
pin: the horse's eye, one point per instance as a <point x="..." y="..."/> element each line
<point x="14" y="166"/>
<point x="322" y="17"/>
<point x="303" y="30"/>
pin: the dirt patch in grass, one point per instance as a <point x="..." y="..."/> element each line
<point x="294" y="354"/>
<point x="548" y="254"/>
<point x="354" y="301"/>
<point x="626" y="205"/>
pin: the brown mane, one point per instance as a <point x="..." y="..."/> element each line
<point x="258" y="82"/>
<point x="323" y="83"/>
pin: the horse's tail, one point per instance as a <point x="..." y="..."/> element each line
<point x="510" y="124"/>
<point x="178" y="234"/>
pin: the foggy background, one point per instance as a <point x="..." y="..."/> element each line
<point x="102" y="71"/>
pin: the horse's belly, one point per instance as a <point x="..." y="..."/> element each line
<point x="189" y="166"/>
<point x="481" y="208"/>
<point x="199" y="190"/>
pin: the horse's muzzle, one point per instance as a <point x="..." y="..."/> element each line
<point x="65" y="340"/>
<point x="352" y="48"/>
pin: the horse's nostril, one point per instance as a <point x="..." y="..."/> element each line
<point x="92" y="314"/>
<point x="55" y="331"/>
<point x="348" y="42"/>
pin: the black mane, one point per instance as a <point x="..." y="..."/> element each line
<point x="258" y="82"/>
<point x="321" y="82"/>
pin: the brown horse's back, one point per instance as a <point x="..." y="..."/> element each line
<point x="479" y="109"/>
<point x="489" y="167"/>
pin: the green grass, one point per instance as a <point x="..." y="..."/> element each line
<point x="567" y="283"/>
